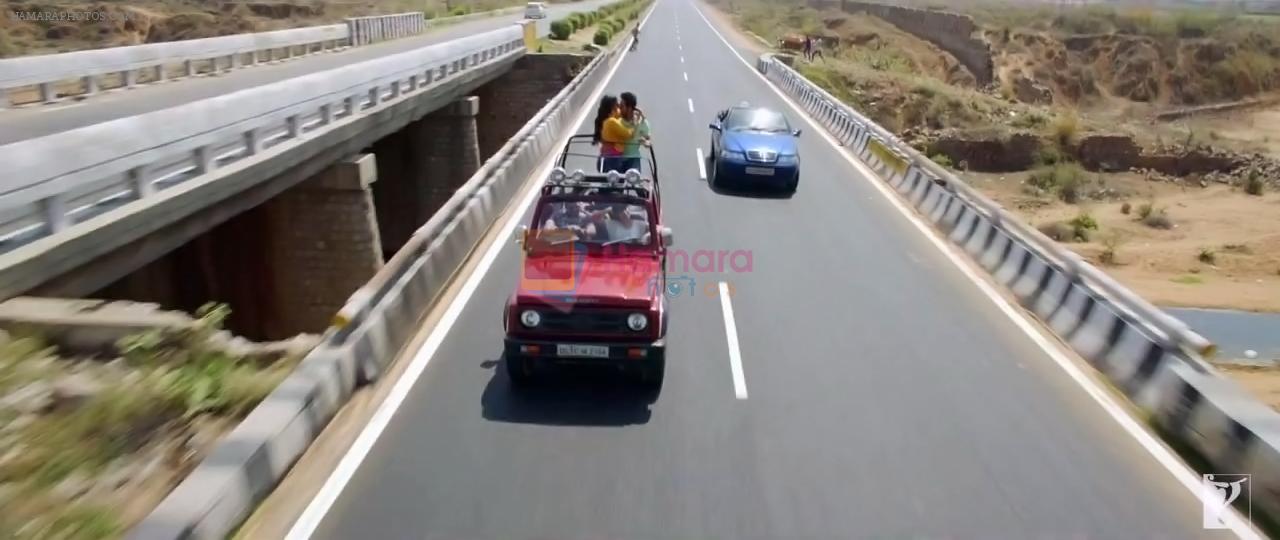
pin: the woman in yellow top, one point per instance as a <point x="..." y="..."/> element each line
<point x="612" y="133"/>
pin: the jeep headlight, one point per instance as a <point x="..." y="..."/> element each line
<point x="633" y="176"/>
<point x="637" y="321"/>
<point x="530" y="318"/>
<point x="557" y="175"/>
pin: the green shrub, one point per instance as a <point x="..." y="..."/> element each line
<point x="601" y="38"/>
<point x="942" y="159"/>
<point x="633" y="15"/>
<point x="1110" y="248"/>
<point x="1145" y="210"/>
<point x="1158" y="219"/>
<point x="1065" y="128"/>
<point x="1049" y="155"/>
<point x="1207" y="256"/>
<point x="1084" y="221"/>
<point x="1064" y="179"/>
<point x="1126" y="208"/>
<point x="1254" y="185"/>
<point x="460" y="10"/>
<point x="561" y="29"/>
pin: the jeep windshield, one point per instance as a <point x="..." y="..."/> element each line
<point x="758" y="120"/>
<point x="591" y="223"/>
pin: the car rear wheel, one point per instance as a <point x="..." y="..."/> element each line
<point x="520" y="371"/>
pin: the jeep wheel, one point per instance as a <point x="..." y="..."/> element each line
<point x="519" y="371"/>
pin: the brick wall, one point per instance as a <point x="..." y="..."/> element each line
<point x="420" y="166"/>
<point x="510" y="101"/>
<point x="324" y="244"/>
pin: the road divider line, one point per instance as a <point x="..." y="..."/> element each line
<point x="690" y="105"/>
<point x="702" y="165"/>
<point x="731" y="335"/>
<point x="333" y="487"/>
<point x="1157" y="449"/>
<point x="686" y="76"/>
<point x="682" y="59"/>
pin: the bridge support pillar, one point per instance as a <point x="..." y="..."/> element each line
<point x="323" y="245"/>
<point x="421" y="166"/>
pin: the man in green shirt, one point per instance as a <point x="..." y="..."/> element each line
<point x="631" y="157"/>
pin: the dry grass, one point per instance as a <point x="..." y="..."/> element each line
<point x="83" y="466"/>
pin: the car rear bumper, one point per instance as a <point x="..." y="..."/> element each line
<point x="620" y="354"/>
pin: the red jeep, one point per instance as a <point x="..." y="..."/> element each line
<point x="592" y="276"/>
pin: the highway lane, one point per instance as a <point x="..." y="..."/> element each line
<point x="35" y="121"/>
<point x="887" y="396"/>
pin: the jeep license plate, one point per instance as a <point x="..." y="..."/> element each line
<point x="582" y="351"/>
<point x="760" y="171"/>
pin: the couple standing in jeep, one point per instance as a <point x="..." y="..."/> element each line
<point x="620" y="129"/>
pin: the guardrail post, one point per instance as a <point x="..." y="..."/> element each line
<point x="326" y="114"/>
<point x="293" y="125"/>
<point x="47" y="94"/>
<point x="235" y="61"/>
<point x="204" y="160"/>
<point x="190" y="68"/>
<point x="130" y="78"/>
<point x="55" y="214"/>
<point x="4" y="98"/>
<point x="253" y="142"/>
<point x="90" y="84"/>
<point x="141" y="182"/>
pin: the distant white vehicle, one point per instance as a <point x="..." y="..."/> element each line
<point x="535" y="10"/>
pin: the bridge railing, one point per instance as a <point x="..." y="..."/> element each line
<point x="54" y="182"/>
<point x="46" y="72"/>
<point x="366" y="30"/>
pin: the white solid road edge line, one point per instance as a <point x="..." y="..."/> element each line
<point x="350" y="463"/>
<point x="731" y="335"/>
<point x="702" y="164"/>
<point x="1183" y="473"/>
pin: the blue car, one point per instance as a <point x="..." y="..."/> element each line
<point x="754" y="146"/>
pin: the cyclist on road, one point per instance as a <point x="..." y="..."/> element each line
<point x="635" y="36"/>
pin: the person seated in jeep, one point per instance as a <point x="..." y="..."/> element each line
<point x="619" y="224"/>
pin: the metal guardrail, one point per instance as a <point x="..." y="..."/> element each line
<point x="54" y="182"/>
<point x="1167" y="328"/>
<point x="46" y="71"/>
<point x="366" y="30"/>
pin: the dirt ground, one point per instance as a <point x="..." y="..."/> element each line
<point x="1242" y="233"/>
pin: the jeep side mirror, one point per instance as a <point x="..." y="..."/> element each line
<point x="796" y="133"/>
<point x="714" y="125"/>
<point x="668" y="238"/>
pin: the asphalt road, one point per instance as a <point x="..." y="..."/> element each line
<point x="886" y="396"/>
<point x="36" y="121"/>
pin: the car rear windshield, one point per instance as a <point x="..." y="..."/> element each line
<point x="756" y="120"/>
<point x="600" y="223"/>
